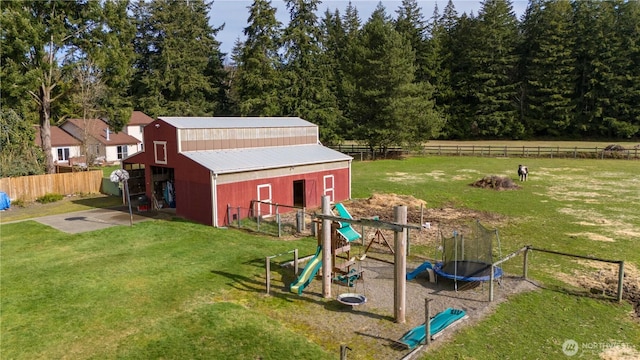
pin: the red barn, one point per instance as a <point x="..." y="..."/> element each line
<point x="202" y="165"/>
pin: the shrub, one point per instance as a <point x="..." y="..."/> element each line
<point x="18" y="203"/>
<point x="49" y="198"/>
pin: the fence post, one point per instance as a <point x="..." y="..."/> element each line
<point x="279" y="225"/>
<point x="238" y="216"/>
<point x="620" y="280"/>
<point x="525" y="264"/>
<point x="268" y="275"/>
<point x="304" y="225"/>
<point x="575" y="152"/>
<point x="295" y="261"/>
<point x="491" y="276"/>
<point x="229" y="214"/>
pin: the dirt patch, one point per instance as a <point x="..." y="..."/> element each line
<point x="620" y="352"/>
<point x="602" y="279"/>
<point x="496" y="183"/>
<point x="591" y="236"/>
<point x="442" y="220"/>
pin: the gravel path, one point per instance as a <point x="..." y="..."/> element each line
<point x="370" y="330"/>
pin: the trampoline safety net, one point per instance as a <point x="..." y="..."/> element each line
<point x="469" y="253"/>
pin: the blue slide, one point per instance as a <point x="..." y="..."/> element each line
<point x="441" y="321"/>
<point x="425" y="265"/>
<point x="308" y="273"/>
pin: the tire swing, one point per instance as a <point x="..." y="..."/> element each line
<point x="354" y="298"/>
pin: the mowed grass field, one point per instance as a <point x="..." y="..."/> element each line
<point x="178" y="290"/>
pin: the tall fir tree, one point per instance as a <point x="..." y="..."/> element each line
<point x="461" y="100"/>
<point x="390" y="108"/>
<point x="548" y="70"/>
<point x="495" y="64"/>
<point x="411" y="24"/>
<point x="307" y="91"/>
<point x="179" y="70"/>
<point x="110" y="49"/>
<point x="259" y="66"/>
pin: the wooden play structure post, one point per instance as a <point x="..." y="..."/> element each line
<point x="427" y="321"/>
<point x="327" y="265"/>
<point x="400" y="268"/>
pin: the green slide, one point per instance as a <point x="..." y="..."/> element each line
<point x="441" y="321"/>
<point x="308" y="273"/>
<point x="346" y="230"/>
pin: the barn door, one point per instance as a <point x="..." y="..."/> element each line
<point x="264" y="194"/>
<point x="298" y="193"/>
<point x="328" y="187"/>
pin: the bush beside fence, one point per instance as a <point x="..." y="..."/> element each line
<point x="29" y="188"/>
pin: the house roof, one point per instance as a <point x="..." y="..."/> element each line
<point x="59" y="137"/>
<point x="140" y="118"/>
<point x="251" y="159"/>
<point x="97" y="129"/>
<point x="234" y="122"/>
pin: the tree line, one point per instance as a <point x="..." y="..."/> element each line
<point x="565" y="69"/>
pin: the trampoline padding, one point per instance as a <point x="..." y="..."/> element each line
<point x="467" y="271"/>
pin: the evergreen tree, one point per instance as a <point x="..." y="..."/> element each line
<point x="411" y="24"/>
<point x="179" y="68"/>
<point x="35" y="34"/>
<point x="19" y="154"/>
<point x="390" y="108"/>
<point x="113" y="53"/>
<point x="258" y="79"/>
<point x="462" y="99"/>
<point x="619" y="55"/>
<point x="548" y="65"/>
<point x="495" y="63"/>
<point x="350" y="50"/>
<point x="307" y="91"/>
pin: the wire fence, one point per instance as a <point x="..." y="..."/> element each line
<point x="271" y="219"/>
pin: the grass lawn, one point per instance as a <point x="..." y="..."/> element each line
<point x="177" y="290"/>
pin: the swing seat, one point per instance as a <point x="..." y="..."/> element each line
<point x="352" y="299"/>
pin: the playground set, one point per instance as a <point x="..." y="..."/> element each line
<point x="464" y="259"/>
<point x="468" y="256"/>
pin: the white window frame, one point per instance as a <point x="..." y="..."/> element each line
<point x="329" y="191"/>
<point x="163" y="146"/>
<point x="122" y="151"/>
<point x="270" y="207"/>
<point x="65" y="152"/>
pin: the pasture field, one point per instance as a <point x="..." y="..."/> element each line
<point x="177" y="290"/>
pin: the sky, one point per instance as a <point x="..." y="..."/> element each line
<point x="234" y="13"/>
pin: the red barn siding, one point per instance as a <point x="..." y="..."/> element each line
<point x="240" y="194"/>
<point x="193" y="187"/>
<point x="193" y="191"/>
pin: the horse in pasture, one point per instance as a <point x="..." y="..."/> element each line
<point x="523" y="172"/>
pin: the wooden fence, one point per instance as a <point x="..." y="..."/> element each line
<point x="29" y="188"/>
<point x="364" y="153"/>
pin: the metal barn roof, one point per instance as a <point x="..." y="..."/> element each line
<point x="251" y="159"/>
<point x="233" y="122"/>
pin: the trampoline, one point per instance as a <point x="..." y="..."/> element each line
<point x="469" y="257"/>
<point x="467" y="271"/>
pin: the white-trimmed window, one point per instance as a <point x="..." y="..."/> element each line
<point x="264" y="196"/>
<point x="329" y="187"/>
<point x="160" y="152"/>
<point x="63" y="154"/>
<point x="122" y="151"/>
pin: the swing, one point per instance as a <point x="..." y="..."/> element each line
<point x="353" y="298"/>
